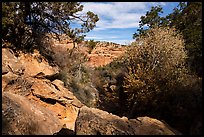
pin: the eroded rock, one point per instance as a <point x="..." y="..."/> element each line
<point x="50" y="95"/>
<point x="35" y="63"/>
<point x="21" y="117"/>
<point x="35" y="103"/>
<point x="11" y="63"/>
<point x="92" y="121"/>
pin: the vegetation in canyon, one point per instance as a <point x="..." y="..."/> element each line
<point x="159" y="75"/>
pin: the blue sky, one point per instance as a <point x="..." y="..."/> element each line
<point x="118" y="21"/>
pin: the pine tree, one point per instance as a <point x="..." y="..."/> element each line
<point x="23" y="22"/>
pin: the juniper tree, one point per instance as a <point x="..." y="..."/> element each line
<point x="24" y="22"/>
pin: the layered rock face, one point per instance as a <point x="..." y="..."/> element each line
<point x="35" y="102"/>
<point x="35" y="97"/>
<point x="104" y="54"/>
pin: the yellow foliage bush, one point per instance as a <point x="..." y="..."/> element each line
<point x="156" y="62"/>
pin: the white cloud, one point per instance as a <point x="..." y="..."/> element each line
<point x="113" y="37"/>
<point x="118" y="14"/>
<point x="158" y="3"/>
<point x="101" y="37"/>
<point x="91" y="37"/>
<point x="123" y="41"/>
<point x="163" y="3"/>
<point x="110" y="38"/>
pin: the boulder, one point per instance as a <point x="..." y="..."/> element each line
<point x="50" y="91"/>
<point x="51" y="95"/>
<point x="92" y="121"/>
<point x="42" y="92"/>
<point x="21" y="117"/>
<point x="27" y="65"/>
<point x="66" y="114"/>
<point x="66" y="93"/>
<point x="35" y="64"/>
<point x="11" y="63"/>
<point x="58" y="99"/>
<point x="43" y="89"/>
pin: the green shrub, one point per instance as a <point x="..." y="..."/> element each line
<point x="105" y="77"/>
<point x="91" y="45"/>
<point x="76" y="76"/>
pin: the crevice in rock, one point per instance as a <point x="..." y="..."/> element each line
<point x="52" y="77"/>
<point x="65" y="131"/>
<point x="75" y="126"/>
<point x="48" y="100"/>
<point x="11" y="82"/>
<point x="69" y="98"/>
<point x="55" y="86"/>
<point x="10" y="68"/>
<point x="3" y="73"/>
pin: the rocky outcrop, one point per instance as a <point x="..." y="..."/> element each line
<point x="11" y="67"/>
<point x="92" y="121"/>
<point x="35" y="63"/>
<point x="26" y="65"/>
<point x="104" y="53"/>
<point x="51" y="95"/>
<point x="38" y="84"/>
<point x="21" y="117"/>
<point x="101" y="55"/>
<point x="35" y="102"/>
<point x="10" y="63"/>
